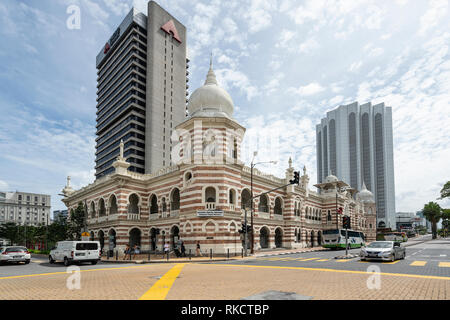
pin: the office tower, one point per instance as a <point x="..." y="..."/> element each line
<point x="141" y="97"/>
<point x="24" y="208"/>
<point x="355" y="143"/>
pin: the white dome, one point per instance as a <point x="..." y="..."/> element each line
<point x="365" y="195"/>
<point x="331" y="178"/>
<point x="210" y="100"/>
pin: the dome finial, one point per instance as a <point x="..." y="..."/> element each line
<point x="364" y="186"/>
<point x="211" y="77"/>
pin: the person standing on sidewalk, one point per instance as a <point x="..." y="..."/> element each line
<point x="197" y="250"/>
<point x="166" y="249"/>
<point x="127" y="251"/>
<point x="183" y="249"/>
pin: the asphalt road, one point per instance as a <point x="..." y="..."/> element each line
<point x="427" y="258"/>
<point x="431" y="258"/>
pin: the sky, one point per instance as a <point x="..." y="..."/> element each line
<point x="285" y="64"/>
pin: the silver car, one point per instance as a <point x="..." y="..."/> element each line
<point x="14" y="254"/>
<point x="383" y="250"/>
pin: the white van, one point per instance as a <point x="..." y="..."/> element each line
<point x="75" y="251"/>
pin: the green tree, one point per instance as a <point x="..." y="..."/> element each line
<point x="57" y="231"/>
<point x="445" y="192"/>
<point x="76" y="222"/>
<point x="445" y="221"/>
<point x="11" y="232"/>
<point x="432" y="212"/>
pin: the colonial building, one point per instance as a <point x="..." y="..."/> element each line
<point x="205" y="195"/>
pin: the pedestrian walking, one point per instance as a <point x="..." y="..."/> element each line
<point x="183" y="249"/>
<point x="136" y="250"/>
<point x="166" y="249"/>
<point x="197" y="250"/>
<point x="127" y="251"/>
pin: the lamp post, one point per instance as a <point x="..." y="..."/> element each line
<point x="255" y="153"/>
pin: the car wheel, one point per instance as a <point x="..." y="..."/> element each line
<point x="27" y="261"/>
<point x="50" y="260"/>
<point x="404" y="255"/>
<point x="66" y="261"/>
<point x="393" y="257"/>
<point x="94" y="262"/>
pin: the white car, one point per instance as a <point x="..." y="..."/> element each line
<point x="383" y="250"/>
<point x="75" y="252"/>
<point x="14" y="254"/>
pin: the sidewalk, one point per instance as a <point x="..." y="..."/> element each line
<point x="158" y="258"/>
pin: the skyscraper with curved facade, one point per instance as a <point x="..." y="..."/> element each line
<point x="355" y="143"/>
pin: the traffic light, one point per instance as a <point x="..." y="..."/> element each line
<point x="296" y="179"/>
<point x="245" y="228"/>
<point x="346" y="222"/>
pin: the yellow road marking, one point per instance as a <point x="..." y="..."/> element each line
<point x="444" y="264"/>
<point x="392" y="262"/>
<point x="323" y="260"/>
<point x="333" y="270"/>
<point x="309" y="259"/>
<point x="64" y="272"/>
<point x="161" y="288"/>
<point x="418" y="263"/>
<point x="343" y="260"/>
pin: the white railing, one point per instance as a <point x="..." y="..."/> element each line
<point x="133" y="216"/>
<point x="113" y="217"/>
<point x="232" y="207"/>
<point x="174" y="213"/>
<point x="278" y="217"/>
<point x="153" y="216"/>
<point x="210" y="206"/>
<point x="264" y="215"/>
<point x="102" y="219"/>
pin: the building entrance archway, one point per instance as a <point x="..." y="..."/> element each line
<point x="264" y="238"/>
<point x="278" y="238"/>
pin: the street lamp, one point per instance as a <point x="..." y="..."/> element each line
<point x="255" y="153"/>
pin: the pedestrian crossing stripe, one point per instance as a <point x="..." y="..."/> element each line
<point x="444" y="264"/>
<point x="418" y="263"/>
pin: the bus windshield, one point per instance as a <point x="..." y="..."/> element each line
<point x="330" y="231"/>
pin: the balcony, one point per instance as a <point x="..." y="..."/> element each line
<point x="134" y="216"/>
<point x="278" y="217"/>
<point x="232" y="207"/>
<point x="264" y="215"/>
<point x="102" y="219"/>
<point x="154" y="216"/>
<point x="210" y="206"/>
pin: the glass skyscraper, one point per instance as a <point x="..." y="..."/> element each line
<point x="355" y="143"/>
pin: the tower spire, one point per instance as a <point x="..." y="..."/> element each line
<point x="211" y="77"/>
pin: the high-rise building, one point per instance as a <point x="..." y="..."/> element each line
<point x="355" y="143"/>
<point x="24" y="208"/>
<point x="141" y="96"/>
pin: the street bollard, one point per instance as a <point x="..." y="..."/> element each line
<point x="228" y="254"/>
<point x="190" y="254"/>
<point x="168" y="252"/>
<point x="210" y="254"/>
<point x="117" y="255"/>
<point x="242" y="253"/>
<point x="149" y="255"/>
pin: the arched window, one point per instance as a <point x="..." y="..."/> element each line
<point x="164" y="205"/>
<point x="210" y="194"/>
<point x="153" y="204"/>
<point x="278" y="206"/>
<point x="245" y="199"/>
<point x="232" y="196"/>
<point x="329" y="215"/>
<point x="102" y="208"/>
<point x="133" y="204"/>
<point x="263" y="205"/>
<point x="92" y="209"/>
<point x="113" y="205"/>
<point x="175" y="199"/>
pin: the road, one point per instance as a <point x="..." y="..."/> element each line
<point x="424" y="274"/>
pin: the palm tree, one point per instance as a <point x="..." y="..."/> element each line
<point x="432" y="212"/>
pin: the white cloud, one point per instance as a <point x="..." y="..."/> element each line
<point x="309" y="45"/>
<point x="436" y="11"/>
<point x="3" y="185"/>
<point x="355" y="66"/>
<point x="229" y="78"/>
<point x="308" y="90"/>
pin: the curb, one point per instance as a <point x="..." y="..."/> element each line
<point x="165" y="261"/>
<point x="291" y="252"/>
